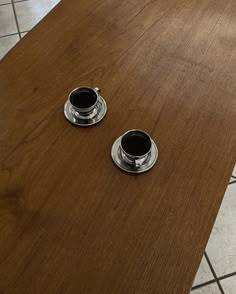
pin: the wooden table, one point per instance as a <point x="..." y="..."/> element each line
<point x="72" y="222"/>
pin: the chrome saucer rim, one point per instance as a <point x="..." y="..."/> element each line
<point x="131" y="169"/>
<point x="86" y="122"/>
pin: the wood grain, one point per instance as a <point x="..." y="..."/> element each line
<point x="70" y="221"/>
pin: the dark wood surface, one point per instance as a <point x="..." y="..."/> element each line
<point x="70" y="221"/>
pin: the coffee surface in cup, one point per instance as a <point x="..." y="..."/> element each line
<point x="136" y="144"/>
<point x="83" y="98"/>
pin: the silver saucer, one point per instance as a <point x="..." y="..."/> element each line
<point x="127" y="167"/>
<point x="78" y="120"/>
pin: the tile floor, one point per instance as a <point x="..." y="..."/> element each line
<point x="17" y="17"/>
<point x="217" y="272"/>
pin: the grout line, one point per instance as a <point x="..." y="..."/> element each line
<point x="227" y="276"/>
<point x="24" y="32"/>
<point x="214" y="273"/>
<point x="220" y="287"/>
<point x="212" y="281"/>
<point x="5" y="4"/>
<point x="233" y="182"/>
<point x="17" y="24"/>
<point x="233" y="177"/>
<point x="203" y="284"/>
<point x="11" y="2"/>
<point x="8" y="35"/>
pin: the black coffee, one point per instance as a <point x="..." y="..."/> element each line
<point x="136" y="143"/>
<point x="83" y="98"/>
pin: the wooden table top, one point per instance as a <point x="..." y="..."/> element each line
<point x="70" y="220"/>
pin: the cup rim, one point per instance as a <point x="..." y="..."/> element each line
<point x="83" y="109"/>
<point x="136" y="156"/>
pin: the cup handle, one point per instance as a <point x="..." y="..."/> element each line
<point x="97" y="90"/>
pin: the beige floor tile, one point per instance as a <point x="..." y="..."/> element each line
<point x="6" y="43"/>
<point x="209" y="289"/>
<point x="234" y="171"/>
<point x="4" y="1"/>
<point x="23" y="34"/>
<point x="221" y="247"/>
<point x="229" y="285"/>
<point x="7" y="20"/>
<point x="233" y="178"/>
<point x="29" y="13"/>
<point x="204" y="273"/>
